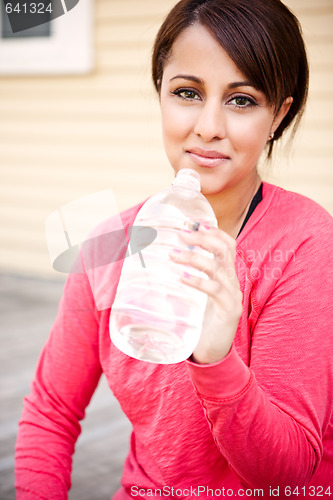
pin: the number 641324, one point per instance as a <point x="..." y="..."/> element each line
<point x="28" y="8"/>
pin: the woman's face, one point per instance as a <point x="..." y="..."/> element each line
<point x="213" y="120"/>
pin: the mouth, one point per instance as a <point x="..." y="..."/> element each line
<point x="207" y="158"/>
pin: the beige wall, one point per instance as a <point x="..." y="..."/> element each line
<point x="65" y="137"/>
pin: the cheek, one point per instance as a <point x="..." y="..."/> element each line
<point x="249" y="133"/>
<point x="175" y="124"/>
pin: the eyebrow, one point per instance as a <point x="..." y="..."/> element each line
<point x="188" y="77"/>
<point x="198" y="80"/>
<point x="239" y="84"/>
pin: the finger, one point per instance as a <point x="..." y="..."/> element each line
<point x="213" y="240"/>
<point x="220" y="262"/>
<point x="210" y="287"/>
<point x="227" y="299"/>
<point x="195" y="260"/>
<point x="197" y="229"/>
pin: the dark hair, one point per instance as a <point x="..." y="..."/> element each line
<point x="262" y="37"/>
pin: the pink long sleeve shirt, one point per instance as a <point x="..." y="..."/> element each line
<point x="262" y="418"/>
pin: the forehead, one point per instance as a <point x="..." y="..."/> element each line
<point x="197" y="51"/>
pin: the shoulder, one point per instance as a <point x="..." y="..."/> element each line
<point x="294" y="216"/>
<point x="109" y="239"/>
<point x="117" y="221"/>
<point x="295" y="208"/>
<point x="286" y="224"/>
<point x="287" y="247"/>
<point x="128" y="216"/>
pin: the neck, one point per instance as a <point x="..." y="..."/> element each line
<point x="232" y="205"/>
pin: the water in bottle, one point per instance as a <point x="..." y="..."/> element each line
<point x="155" y="317"/>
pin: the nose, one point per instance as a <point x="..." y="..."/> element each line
<point x="210" y="123"/>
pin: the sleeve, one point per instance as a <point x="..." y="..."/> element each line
<point x="67" y="374"/>
<point x="268" y="419"/>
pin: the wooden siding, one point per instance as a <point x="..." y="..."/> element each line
<point x="65" y="137"/>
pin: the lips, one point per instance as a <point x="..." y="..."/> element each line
<point x="207" y="158"/>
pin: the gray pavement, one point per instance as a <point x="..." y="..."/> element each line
<point x="28" y="307"/>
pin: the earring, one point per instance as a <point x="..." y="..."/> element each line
<point x="271" y="135"/>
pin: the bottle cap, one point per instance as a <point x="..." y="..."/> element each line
<point x="187" y="178"/>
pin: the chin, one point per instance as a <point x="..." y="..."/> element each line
<point x="210" y="190"/>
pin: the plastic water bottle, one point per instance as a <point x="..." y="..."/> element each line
<point x="155" y="317"/>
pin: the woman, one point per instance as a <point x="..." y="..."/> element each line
<point x="250" y="413"/>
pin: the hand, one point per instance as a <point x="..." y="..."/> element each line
<point x="224" y="305"/>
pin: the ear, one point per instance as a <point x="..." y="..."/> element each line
<point x="158" y="87"/>
<point x="284" y="108"/>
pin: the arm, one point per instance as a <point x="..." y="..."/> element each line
<point x="66" y="377"/>
<point x="268" y="419"/>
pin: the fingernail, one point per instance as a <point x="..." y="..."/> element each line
<point x="206" y="226"/>
<point x="176" y="250"/>
<point x="186" y="275"/>
<point x="192" y="225"/>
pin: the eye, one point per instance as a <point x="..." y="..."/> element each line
<point x="187" y="94"/>
<point x="242" y="102"/>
